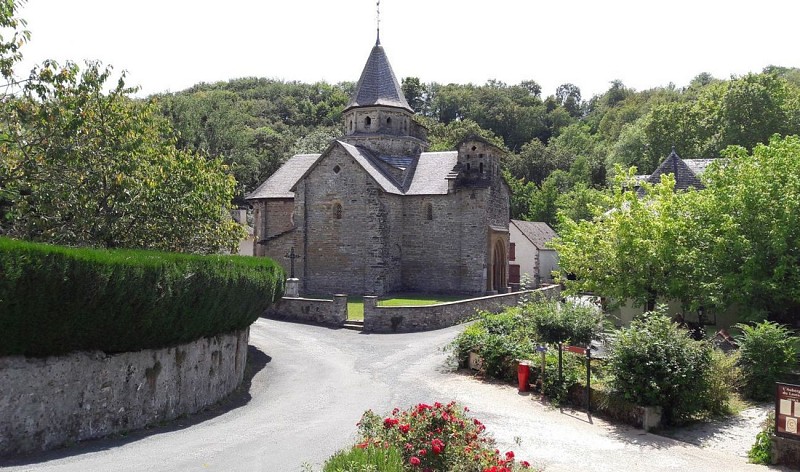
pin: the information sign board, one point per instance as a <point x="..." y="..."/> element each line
<point x="787" y="410"/>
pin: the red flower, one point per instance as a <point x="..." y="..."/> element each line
<point x="414" y="461"/>
<point x="509" y="455"/>
<point x="422" y="452"/>
<point x="404" y="428"/>
<point x="525" y="464"/>
<point x="389" y="422"/>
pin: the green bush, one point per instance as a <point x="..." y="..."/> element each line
<point x="761" y="451"/>
<point x="723" y="378"/>
<point x="573" y="370"/>
<point x="768" y="353"/>
<point x="556" y="322"/>
<point x="55" y="300"/>
<point x="366" y="459"/>
<point x="655" y="363"/>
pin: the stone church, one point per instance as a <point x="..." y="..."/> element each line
<point x="377" y="213"/>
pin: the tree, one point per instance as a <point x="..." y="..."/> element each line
<point x="754" y="210"/>
<point x="643" y="249"/>
<point x="569" y="96"/>
<point x="95" y="168"/>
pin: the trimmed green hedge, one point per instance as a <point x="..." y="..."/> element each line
<point x="55" y="300"/>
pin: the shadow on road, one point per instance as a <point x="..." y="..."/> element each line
<point x="256" y="361"/>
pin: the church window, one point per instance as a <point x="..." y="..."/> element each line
<point x="389" y="121"/>
<point x="467" y="165"/>
<point x="351" y="125"/>
<point x="481" y="167"/>
<point x="337" y="210"/>
<point x="429" y="211"/>
<point x="474" y="148"/>
<point x="480" y="156"/>
<point x="336" y="169"/>
<point x="367" y="122"/>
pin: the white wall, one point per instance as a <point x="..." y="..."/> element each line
<point x="526" y="254"/>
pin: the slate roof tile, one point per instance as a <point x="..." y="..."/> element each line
<point x="279" y="184"/>
<point x="538" y="233"/>
<point x="378" y="85"/>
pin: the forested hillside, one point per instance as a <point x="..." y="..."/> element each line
<point x="562" y="147"/>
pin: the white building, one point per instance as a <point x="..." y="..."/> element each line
<point x="529" y="260"/>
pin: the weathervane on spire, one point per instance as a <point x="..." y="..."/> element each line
<point x="378" y="19"/>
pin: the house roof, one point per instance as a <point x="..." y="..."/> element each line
<point x="378" y="86"/>
<point x="538" y="233"/>
<point x="685" y="176"/>
<point x="279" y="184"/>
<point x="430" y="176"/>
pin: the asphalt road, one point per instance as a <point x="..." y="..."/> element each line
<point x="308" y="386"/>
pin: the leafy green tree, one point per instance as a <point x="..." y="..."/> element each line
<point x="754" y="210"/>
<point x="569" y="96"/>
<point x="643" y="249"/>
<point x="92" y="167"/>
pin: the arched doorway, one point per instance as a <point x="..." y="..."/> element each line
<point x="499" y="279"/>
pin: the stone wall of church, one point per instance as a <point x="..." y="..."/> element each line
<point x="348" y="231"/>
<point x="274" y="223"/>
<point x="446" y="253"/>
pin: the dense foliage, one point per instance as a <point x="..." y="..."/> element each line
<point x="768" y="352"/>
<point x="438" y="438"/>
<point x="55" y="300"/>
<point x="655" y="363"/>
<point x="366" y="459"/>
<point x="83" y="164"/>
<point x="737" y="240"/>
<point x="565" y="322"/>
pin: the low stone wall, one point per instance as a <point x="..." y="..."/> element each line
<point x="310" y="310"/>
<point x="408" y="319"/>
<point x="48" y="402"/>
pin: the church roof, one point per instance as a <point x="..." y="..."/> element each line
<point x="365" y="158"/>
<point x="378" y="84"/>
<point x="430" y="177"/>
<point x="279" y="184"/>
<point x="536" y="232"/>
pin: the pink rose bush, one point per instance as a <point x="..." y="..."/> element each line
<point x="437" y="438"/>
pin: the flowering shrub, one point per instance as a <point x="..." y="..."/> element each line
<point x="437" y="438"/>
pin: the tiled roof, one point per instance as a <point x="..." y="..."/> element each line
<point x="365" y="159"/>
<point x="279" y="184"/>
<point x="698" y="166"/>
<point x="536" y="232"/>
<point x="685" y="177"/>
<point x="430" y="177"/>
<point x="378" y="84"/>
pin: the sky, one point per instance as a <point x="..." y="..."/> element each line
<point x="170" y="45"/>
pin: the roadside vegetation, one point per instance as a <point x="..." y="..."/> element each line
<point x="55" y="300"/>
<point x="652" y="362"/>
<point x="436" y="438"/>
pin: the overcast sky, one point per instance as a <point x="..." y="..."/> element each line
<point x="169" y="45"/>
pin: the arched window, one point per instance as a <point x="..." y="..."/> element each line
<point x="351" y="125"/>
<point x="468" y="166"/>
<point x="429" y="211"/>
<point x="389" y="120"/>
<point x="481" y="167"/>
<point x="367" y="122"/>
<point x="337" y="211"/>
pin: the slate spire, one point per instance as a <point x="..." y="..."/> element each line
<point x="378" y="85"/>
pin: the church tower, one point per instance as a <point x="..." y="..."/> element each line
<point x="378" y="116"/>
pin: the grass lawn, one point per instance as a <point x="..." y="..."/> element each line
<point x="355" y="304"/>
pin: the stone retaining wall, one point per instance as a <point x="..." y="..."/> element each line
<point x="408" y="319"/>
<point x="48" y="402"/>
<point x="310" y="310"/>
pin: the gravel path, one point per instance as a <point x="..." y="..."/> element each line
<point x="734" y="435"/>
<point x="308" y="386"/>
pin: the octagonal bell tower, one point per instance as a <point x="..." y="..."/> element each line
<point x="378" y="116"/>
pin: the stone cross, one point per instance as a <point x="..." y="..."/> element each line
<point x="292" y="256"/>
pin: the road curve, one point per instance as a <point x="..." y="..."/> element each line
<point x="308" y="386"/>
